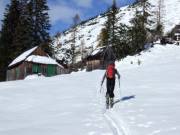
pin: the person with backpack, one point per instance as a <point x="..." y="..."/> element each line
<point x="110" y="76"/>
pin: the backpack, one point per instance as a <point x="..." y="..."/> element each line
<point x="110" y="72"/>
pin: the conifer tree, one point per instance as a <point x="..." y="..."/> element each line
<point x="138" y="33"/>
<point x="111" y="23"/>
<point x="76" y="21"/>
<point x="159" y="23"/>
<point x="114" y="33"/>
<point x="9" y="24"/>
<point x="140" y="26"/>
<point x="23" y="38"/>
<point x="123" y="41"/>
<point x="109" y="33"/>
<point x="38" y="12"/>
<point x="103" y="38"/>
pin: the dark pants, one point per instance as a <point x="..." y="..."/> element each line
<point x="110" y="87"/>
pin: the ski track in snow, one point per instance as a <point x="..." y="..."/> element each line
<point x="113" y="124"/>
<point x="116" y="124"/>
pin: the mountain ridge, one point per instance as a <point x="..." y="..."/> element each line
<point x="89" y="30"/>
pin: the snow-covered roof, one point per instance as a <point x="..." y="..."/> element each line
<point x="23" y="56"/>
<point x="177" y="34"/>
<point x="26" y="56"/>
<point x="41" y="59"/>
<point x="97" y="50"/>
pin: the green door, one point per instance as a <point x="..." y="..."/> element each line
<point x="36" y="68"/>
<point x="51" y="70"/>
<point x="17" y="73"/>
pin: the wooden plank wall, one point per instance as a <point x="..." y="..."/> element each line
<point x="39" y="52"/>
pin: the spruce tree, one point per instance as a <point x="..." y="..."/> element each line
<point x="140" y="26"/>
<point x="123" y="41"/>
<point x="76" y="21"/>
<point x="114" y="34"/>
<point x="159" y="23"/>
<point x="109" y="37"/>
<point x="9" y="24"/>
<point x="111" y="23"/>
<point x="23" y="38"/>
<point x="38" y="11"/>
<point x="103" y="38"/>
<point x="138" y="33"/>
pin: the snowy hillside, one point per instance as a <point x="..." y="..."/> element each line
<point x="89" y="31"/>
<point x="147" y="102"/>
<point x="171" y="13"/>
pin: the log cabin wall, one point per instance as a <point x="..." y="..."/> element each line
<point x="16" y="73"/>
<point x="44" y="69"/>
<point x="10" y="75"/>
<point x="27" y="69"/>
<point x="21" y="71"/>
<point x="95" y="64"/>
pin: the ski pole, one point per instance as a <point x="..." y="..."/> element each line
<point x="119" y="86"/>
<point x="100" y="89"/>
<point x="119" y="82"/>
<point x="101" y="86"/>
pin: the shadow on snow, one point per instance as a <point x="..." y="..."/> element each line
<point x="124" y="99"/>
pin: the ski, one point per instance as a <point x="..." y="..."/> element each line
<point x="109" y="102"/>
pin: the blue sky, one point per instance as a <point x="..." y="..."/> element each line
<point x="62" y="11"/>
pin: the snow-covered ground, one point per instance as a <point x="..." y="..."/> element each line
<point x="147" y="102"/>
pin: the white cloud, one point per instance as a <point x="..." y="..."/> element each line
<point x="62" y="13"/>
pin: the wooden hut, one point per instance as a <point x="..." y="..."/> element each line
<point x="33" y="61"/>
<point x="98" y="59"/>
<point x="177" y="33"/>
